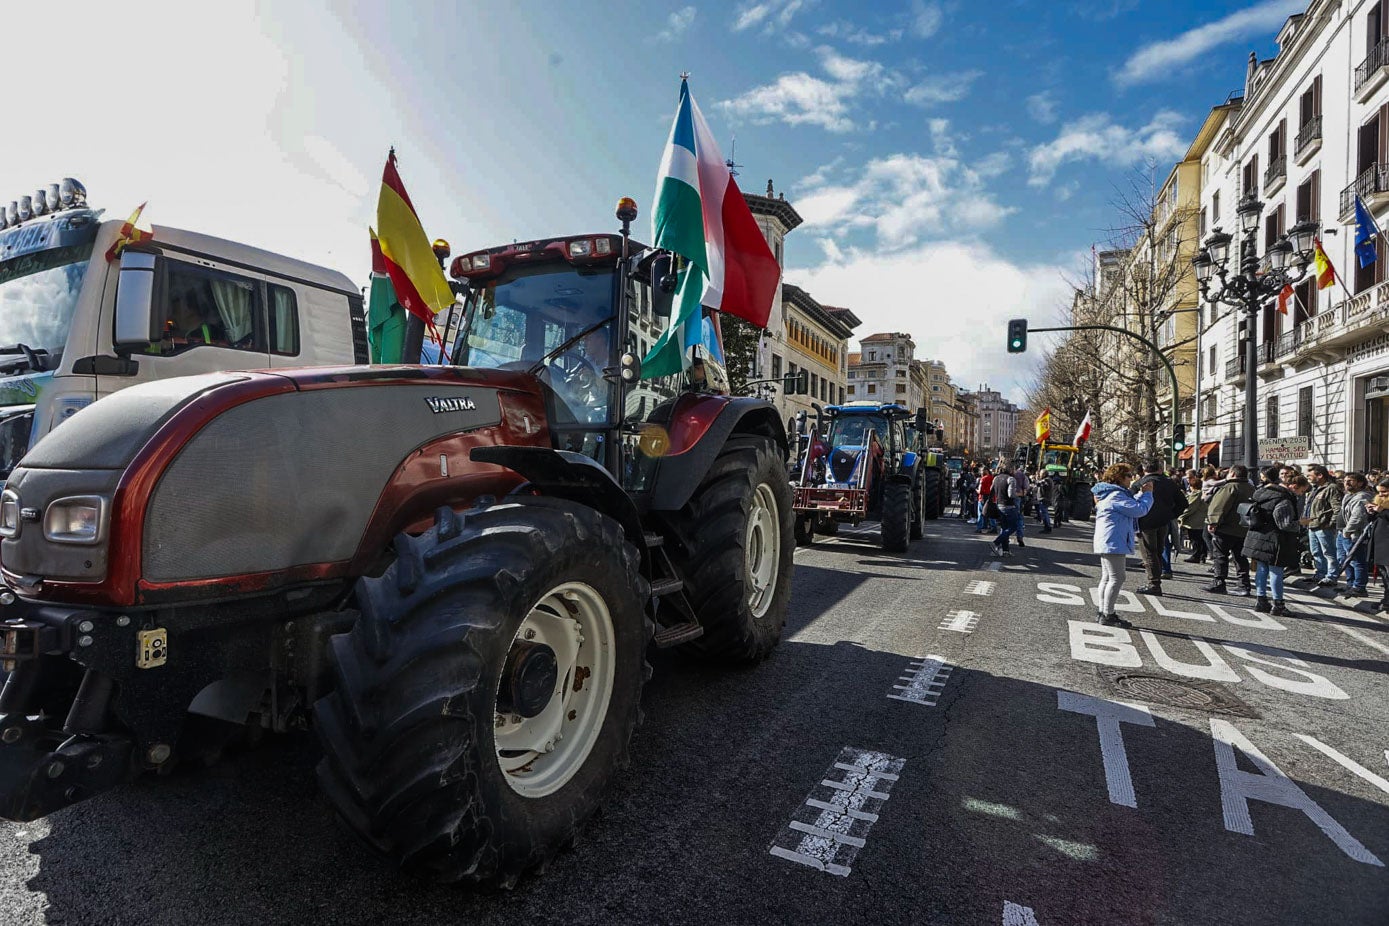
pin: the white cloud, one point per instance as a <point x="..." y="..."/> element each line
<point x="1160" y="59"/>
<point x="961" y="296"/>
<point x="1042" y="107"/>
<point x="925" y="19"/>
<point x="994" y="165"/>
<point x="943" y="88"/>
<point x="857" y="35"/>
<point x="1096" y="137"/>
<point x="770" y="14"/>
<point x="676" y="24"/>
<point x="802" y="99"/>
<point x="848" y="70"/>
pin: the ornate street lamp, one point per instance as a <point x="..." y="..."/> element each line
<point x="1249" y="286"/>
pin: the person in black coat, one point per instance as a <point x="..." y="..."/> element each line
<point x="1272" y="541"/>
<point x="1168" y="502"/>
<point x="1379" y="538"/>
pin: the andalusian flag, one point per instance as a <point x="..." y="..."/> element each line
<point x="128" y="235"/>
<point x="1326" y="274"/>
<point x="1043" y="425"/>
<point x="414" y="271"/>
<point x="701" y="216"/>
<point x="385" y="316"/>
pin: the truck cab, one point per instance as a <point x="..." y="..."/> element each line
<point x="76" y="326"/>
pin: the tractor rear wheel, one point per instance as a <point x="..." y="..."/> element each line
<point x="735" y="546"/>
<point x="896" y="516"/>
<point x="489" y="689"/>
<point x="931" y="492"/>
<point x="918" y="526"/>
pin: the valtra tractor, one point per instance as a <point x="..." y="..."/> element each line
<point x="861" y="466"/>
<point x="452" y="573"/>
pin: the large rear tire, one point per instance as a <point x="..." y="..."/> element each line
<point x="805" y="530"/>
<point x="932" y="494"/>
<point x="735" y="543"/>
<point x="896" y="516"/>
<point x="489" y="689"/>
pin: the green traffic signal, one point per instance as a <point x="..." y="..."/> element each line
<point x="1179" y="437"/>
<point x="1017" y="335"/>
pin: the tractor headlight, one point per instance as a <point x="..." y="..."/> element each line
<point x="76" y="519"/>
<point x="9" y="514"/>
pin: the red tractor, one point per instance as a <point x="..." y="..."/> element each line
<point x="453" y="573"/>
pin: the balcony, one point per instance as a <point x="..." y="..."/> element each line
<point x="1372" y="186"/>
<point x="1269" y="367"/>
<point x="1372" y="72"/>
<point x="1329" y="335"/>
<point x="1276" y="174"/>
<point x="1308" y="140"/>
<point x="1234" y="369"/>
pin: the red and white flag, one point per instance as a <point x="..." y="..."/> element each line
<point x="1083" y="432"/>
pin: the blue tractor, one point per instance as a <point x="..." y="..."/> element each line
<point x="866" y="463"/>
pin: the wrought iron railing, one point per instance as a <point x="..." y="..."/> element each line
<point x="1277" y="170"/>
<point x="1308" y="133"/>
<point x="1235" y="367"/>
<point x="1376" y="59"/>
<point x="1373" y="179"/>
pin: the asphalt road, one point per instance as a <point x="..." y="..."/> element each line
<point x="1030" y="767"/>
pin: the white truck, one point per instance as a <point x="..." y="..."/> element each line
<point x="75" y="327"/>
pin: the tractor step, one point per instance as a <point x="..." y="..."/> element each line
<point x="680" y="633"/>
<point x="654" y="540"/>
<point x="663" y="587"/>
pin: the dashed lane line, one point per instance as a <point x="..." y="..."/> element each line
<point x="924" y="683"/>
<point x="980" y="587"/>
<point x="960" y="622"/>
<point x="828" y="831"/>
<point x="1015" y="914"/>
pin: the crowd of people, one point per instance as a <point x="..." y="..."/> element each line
<point x="1256" y="533"/>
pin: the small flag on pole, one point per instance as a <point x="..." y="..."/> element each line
<point x="1284" y="295"/>
<point x="128" y="235"/>
<point x="1083" y="432"/>
<point x="1043" y="425"/>
<point x="1366" y="232"/>
<point x="419" y="282"/>
<point x="1326" y="273"/>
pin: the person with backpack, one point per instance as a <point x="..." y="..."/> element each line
<point x="1167" y="503"/>
<point x="1352" y="553"/>
<point x="1271" y="538"/>
<point x="985" y="524"/>
<point x="1226" y="531"/>
<point x="1005" y="500"/>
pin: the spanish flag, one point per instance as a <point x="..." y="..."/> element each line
<point x="1043" y="425"/>
<point x="419" y="281"/>
<point x="1326" y="274"/>
<point x="128" y="235"/>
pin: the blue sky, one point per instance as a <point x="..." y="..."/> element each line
<point x="954" y="160"/>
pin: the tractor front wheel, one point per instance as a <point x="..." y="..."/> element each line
<point x="896" y="516"/>
<point x="489" y="689"/>
<point x="737" y="534"/>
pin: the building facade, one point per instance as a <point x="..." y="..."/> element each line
<point x="942" y="403"/>
<point x="997" y="424"/>
<point x="885" y="370"/>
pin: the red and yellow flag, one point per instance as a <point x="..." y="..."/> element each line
<point x="1285" y="294"/>
<point x="419" y="281"/>
<point x="128" y="235"/>
<point x="1326" y="274"/>
<point x="1043" y="425"/>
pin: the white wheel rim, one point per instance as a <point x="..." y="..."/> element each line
<point x="762" y="549"/>
<point x="539" y="755"/>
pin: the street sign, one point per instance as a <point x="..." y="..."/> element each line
<point x="1285" y="448"/>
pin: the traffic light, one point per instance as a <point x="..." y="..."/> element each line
<point x="1017" y="335"/>
<point x="1179" y="437"/>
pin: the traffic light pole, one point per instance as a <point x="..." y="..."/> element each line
<point x="1171" y="373"/>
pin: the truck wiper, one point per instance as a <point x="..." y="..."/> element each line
<point x="540" y="364"/>
<point x="31" y="357"/>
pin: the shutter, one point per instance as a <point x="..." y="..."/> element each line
<point x="1316" y="192"/>
<point x="1316" y="95"/>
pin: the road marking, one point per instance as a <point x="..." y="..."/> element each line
<point x="927" y="678"/>
<point x="832" y="840"/>
<point x="1351" y="632"/>
<point x="1108" y="715"/>
<point x="959" y="621"/>
<point x="1269" y="784"/>
<point x="1017" y="915"/>
<point x="994" y="566"/>
<point x="980" y="587"/>
<point x="1346" y="762"/>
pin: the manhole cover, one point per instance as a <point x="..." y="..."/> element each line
<point x="1192" y="694"/>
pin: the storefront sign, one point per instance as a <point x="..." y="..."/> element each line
<point x="1285" y="448"/>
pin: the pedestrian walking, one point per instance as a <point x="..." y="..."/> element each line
<point x="986" y="485"/>
<point x="1323" y="511"/>
<point x="1005" y="499"/>
<point x="1352" y="552"/>
<point x="1167" y="503"/>
<point x="1226" y="532"/>
<point x="1379" y="538"/>
<point x="1271" y="540"/>
<point x="1022" y="492"/>
<point x="1046" y="497"/>
<point x="1117" y="510"/>
<point x="1193" y="520"/>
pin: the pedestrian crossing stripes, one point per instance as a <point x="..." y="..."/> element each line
<point x="828" y="830"/>
<point x="960" y="621"/>
<point x="1017" y="915"/>
<point x="980" y="587"/>
<point x="924" y="683"/>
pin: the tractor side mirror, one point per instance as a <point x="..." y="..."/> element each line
<point x="796" y="383"/>
<point x="663" y="285"/>
<point x="136" y="325"/>
<point x="922" y="424"/>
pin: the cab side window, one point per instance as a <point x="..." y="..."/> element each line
<point x="284" y="321"/>
<point x="208" y="307"/>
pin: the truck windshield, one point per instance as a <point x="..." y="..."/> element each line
<point x="38" y="295"/>
<point x="519" y="319"/>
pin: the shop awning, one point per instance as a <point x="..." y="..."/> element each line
<point x="1206" y="448"/>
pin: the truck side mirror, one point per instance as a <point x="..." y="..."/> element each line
<point x="136" y="325"/>
<point x="663" y="285"/>
<point x="922" y="425"/>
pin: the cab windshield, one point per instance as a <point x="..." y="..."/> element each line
<point x="38" y="296"/>
<point x="852" y="430"/>
<point x="527" y="316"/>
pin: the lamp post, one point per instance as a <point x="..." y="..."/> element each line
<point x="1248" y="287"/>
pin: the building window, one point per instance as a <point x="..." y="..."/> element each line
<point x="1273" y="226"/>
<point x="872" y="355"/>
<point x="901" y="374"/>
<point x="1306" y="206"/>
<point x="935" y="389"/>
<point x="1202" y="226"/>
<point x="1215" y="206"/>
<point x="851" y="390"/>
<point x="814" y="384"/>
<point x="901" y="389"/>
<point x="1250" y="185"/>
<point x="841" y="395"/>
<point x="1210" y="363"/>
<point x="1271" y="416"/>
<point x="1304" y="411"/>
<point x="872" y="389"/>
<point x="852" y="375"/>
<point x="1366" y="277"/>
